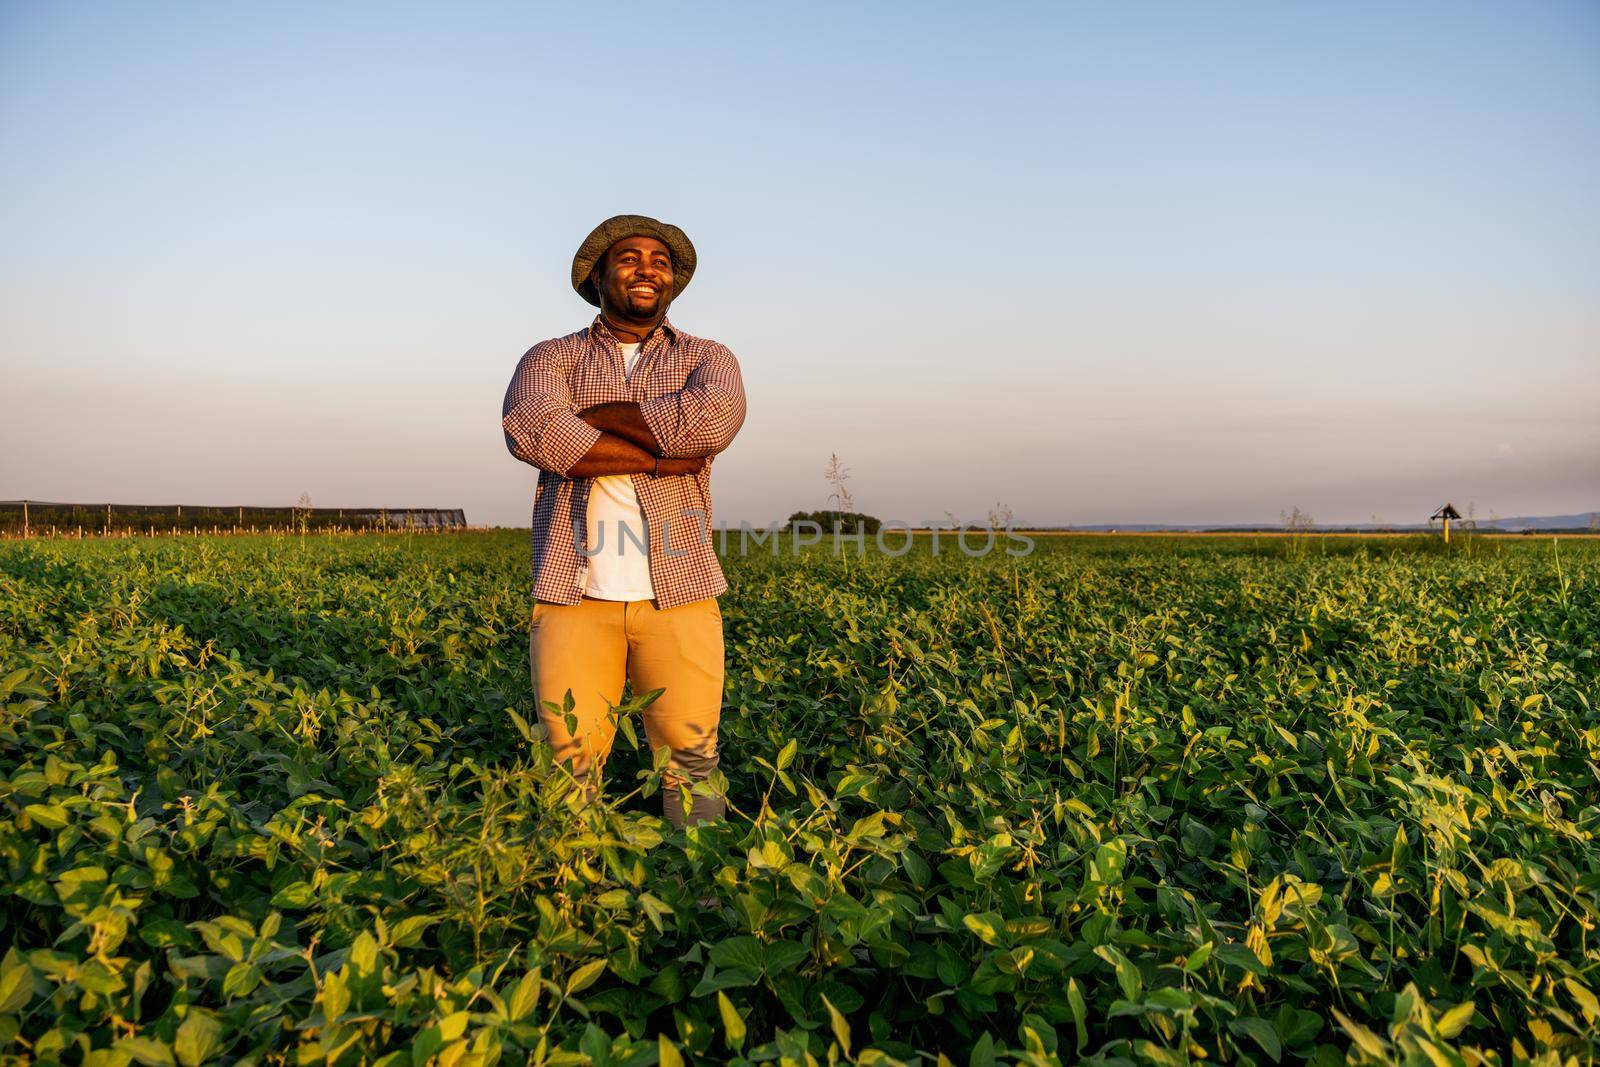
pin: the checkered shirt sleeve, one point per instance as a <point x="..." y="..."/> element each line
<point x="537" y="416"/>
<point x="702" y="418"/>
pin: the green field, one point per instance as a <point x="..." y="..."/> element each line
<point x="1141" y="800"/>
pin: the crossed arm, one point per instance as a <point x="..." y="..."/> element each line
<point x="679" y="430"/>
<point x="626" y="445"/>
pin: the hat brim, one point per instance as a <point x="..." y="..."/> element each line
<point x="615" y="229"/>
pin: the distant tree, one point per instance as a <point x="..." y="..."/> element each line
<point x="838" y="521"/>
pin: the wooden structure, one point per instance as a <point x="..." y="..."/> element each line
<point x="1445" y="514"/>
<point x="27" y="517"/>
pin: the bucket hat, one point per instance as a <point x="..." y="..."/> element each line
<point x="615" y="229"/>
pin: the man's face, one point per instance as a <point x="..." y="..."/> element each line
<point x="634" y="277"/>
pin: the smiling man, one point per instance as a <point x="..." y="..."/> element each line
<point x="622" y="419"/>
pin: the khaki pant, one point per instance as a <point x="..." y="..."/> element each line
<point x="594" y="646"/>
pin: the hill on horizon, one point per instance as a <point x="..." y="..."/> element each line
<point x="1577" y="521"/>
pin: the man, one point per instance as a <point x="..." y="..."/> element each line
<point x="622" y="419"/>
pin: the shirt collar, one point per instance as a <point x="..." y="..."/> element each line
<point x="599" y="327"/>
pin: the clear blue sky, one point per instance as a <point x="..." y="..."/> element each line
<point x="1108" y="262"/>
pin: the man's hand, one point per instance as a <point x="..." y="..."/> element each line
<point x="616" y="455"/>
<point x="686" y="465"/>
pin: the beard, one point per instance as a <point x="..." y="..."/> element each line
<point x="642" y="306"/>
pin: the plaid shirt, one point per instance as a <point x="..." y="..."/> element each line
<point x="692" y="398"/>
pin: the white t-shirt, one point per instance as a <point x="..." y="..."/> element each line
<point x="620" y="570"/>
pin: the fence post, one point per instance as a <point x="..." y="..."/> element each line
<point x="25" y="530"/>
